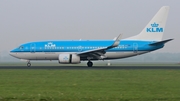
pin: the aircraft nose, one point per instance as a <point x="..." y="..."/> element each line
<point x="12" y="54"/>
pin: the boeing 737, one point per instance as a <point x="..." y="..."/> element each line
<point x="75" y="51"/>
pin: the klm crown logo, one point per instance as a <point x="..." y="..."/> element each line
<point x="154" y="25"/>
<point x="154" y="28"/>
<point x="66" y="58"/>
<point x="50" y="45"/>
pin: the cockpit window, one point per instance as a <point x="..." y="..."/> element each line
<point x="21" y="47"/>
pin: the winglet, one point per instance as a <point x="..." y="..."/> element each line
<point x="116" y="42"/>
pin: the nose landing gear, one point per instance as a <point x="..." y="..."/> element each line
<point x="29" y="64"/>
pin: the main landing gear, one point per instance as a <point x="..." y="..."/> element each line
<point x="89" y="64"/>
<point x="29" y="64"/>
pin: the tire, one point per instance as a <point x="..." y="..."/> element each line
<point x="29" y="64"/>
<point x="89" y="64"/>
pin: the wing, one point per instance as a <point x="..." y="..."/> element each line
<point x="99" y="52"/>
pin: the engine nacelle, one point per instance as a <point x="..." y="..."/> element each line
<point x="69" y="58"/>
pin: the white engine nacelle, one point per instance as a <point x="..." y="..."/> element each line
<point x="69" y="58"/>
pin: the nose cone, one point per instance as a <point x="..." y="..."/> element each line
<point x="13" y="53"/>
<point x="16" y="55"/>
<point x="14" y="50"/>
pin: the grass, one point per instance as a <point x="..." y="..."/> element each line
<point x="89" y="85"/>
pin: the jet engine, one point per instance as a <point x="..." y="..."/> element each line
<point x="69" y="58"/>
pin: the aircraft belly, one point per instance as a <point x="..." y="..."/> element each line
<point x="54" y="56"/>
<point x="39" y="56"/>
<point x="118" y="55"/>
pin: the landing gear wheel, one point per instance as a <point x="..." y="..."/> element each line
<point x="89" y="64"/>
<point x="29" y="64"/>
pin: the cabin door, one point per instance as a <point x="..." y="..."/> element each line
<point x="33" y="47"/>
<point x="135" y="47"/>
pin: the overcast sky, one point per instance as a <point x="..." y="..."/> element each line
<point x="23" y="21"/>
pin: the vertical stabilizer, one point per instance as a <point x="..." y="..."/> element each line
<point x="155" y="28"/>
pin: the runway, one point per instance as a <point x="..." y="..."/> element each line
<point x="91" y="68"/>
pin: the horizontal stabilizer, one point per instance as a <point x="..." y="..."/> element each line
<point x="161" y="42"/>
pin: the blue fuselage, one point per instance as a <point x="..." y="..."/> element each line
<point x="82" y="45"/>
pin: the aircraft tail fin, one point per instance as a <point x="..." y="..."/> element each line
<point x="155" y="28"/>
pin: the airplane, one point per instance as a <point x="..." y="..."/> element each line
<point x="75" y="51"/>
